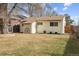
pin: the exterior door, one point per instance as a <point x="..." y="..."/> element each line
<point x="16" y="28"/>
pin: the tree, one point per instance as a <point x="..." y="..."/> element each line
<point x="32" y="9"/>
<point x="69" y="21"/>
<point x="35" y="9"/>
<point x="4" y="18"/>
<point x="12" y="9"/>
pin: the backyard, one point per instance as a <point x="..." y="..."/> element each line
<point x="38" y="45"/>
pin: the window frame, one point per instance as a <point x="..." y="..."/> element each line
<point x="40" y="23"/>
<point x="55" y="24"/>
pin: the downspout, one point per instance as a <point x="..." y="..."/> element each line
<point x="36" y="26"/>
<point x="64" y="23"/>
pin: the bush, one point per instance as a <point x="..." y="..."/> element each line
<point x="56" y="33"/>
<point x="50" y="32"/>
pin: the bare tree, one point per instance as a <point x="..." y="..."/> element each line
<point x="3" y="16"/>
<point x="33" y="9"/>
<point x="12" y="9"/>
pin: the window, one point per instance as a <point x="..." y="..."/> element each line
<point x="40" y="23"/>
<point x="53" y="23"/>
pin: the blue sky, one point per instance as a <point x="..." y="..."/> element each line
<point x="70" y="8"/>
<point x="65" y="8"/>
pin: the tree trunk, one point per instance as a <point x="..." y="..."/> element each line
<point x="3" y="16"/>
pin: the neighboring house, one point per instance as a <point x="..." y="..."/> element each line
<point x="76" y="28"/>
<point x="14" y="26"/>
<point x="45" y="24"/>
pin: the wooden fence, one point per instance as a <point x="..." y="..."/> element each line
<point x="69" y="29"/>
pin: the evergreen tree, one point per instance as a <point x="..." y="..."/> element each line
<point x="69" y="21"/>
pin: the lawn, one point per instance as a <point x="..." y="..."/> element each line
<point x="35" y="44"/>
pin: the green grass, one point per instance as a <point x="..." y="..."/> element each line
<point x="72" y="47"/>
<point x="38" y="44"/>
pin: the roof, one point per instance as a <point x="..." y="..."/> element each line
<point x="48" y="18"/>
<point x="44" y="18"/>
<point x="29" y="20"/>
<point x="14" y="21"/>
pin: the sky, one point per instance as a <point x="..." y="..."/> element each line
<point x="69" y="8"/>
<point x="65" y="8"/>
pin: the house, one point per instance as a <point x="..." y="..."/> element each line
<point x="14" y="25"/>
<point x="44" y="24"/>
<point x="76" y="28"/>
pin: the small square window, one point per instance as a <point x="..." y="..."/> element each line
<point x="53" y="23"/>
<point x="40" y="23"/>
<point x="56" y="23"/>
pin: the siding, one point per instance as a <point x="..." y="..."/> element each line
<point x="46" y="27"/>
<point x="26" y="28"/>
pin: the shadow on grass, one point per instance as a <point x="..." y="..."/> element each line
<point x="72" y="47"/>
